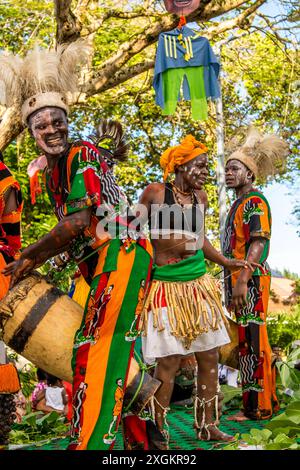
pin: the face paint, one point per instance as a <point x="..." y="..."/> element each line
<point x="236" y="174"/>
<point x="197" y="171"/>
<point x="49" y="128"/>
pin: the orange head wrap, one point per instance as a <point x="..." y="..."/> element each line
<point x="188" y="149"/>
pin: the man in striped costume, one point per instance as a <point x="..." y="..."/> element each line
<point x="81" y="187"/>
<point x="10" y="221"/>
<point x="247" y="237"/>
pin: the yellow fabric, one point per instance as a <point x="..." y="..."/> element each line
<point x="81" y="291"/>
<point x="188" y="149"/>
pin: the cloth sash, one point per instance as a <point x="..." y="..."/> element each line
<point x="188" y="269"/>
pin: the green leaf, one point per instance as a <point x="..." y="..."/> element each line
<point x="283" y="438"/>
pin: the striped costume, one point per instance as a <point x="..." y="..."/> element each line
<point x="249" y="218"/>
<point x="10" y="225"/>
<point x="116" y="269"/>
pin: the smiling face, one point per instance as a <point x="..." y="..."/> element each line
<point x="49" y="128"/>
<point x="237" y="174"/>
<point x="194" y="172"/>
<point x="181" y="7"/>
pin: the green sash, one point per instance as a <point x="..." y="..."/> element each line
<point x="188" y="269"/>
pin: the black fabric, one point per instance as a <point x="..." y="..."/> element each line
<point x="169" y="200"/>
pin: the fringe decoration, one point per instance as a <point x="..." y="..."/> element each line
<point x="9" y="379"/>
<point x="186" y="304"/>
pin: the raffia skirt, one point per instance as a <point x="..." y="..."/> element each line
<point x="182" y="318"/>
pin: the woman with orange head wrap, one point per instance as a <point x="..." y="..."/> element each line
<point x="182" y="312"/>
<point x="173" y="157"/>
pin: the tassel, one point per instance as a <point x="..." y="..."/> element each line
<point x="193" y="308"/>
<point x="182" y="22"/>
<point x="9" y="379"/>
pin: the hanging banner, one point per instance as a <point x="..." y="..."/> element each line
<point x="181" y="7"/>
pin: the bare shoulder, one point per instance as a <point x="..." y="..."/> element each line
<point x="152" y="192"/>
<point x="155" y="187"/>
<point x="202" y="197"/>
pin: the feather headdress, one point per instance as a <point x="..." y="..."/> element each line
<point x="42" y="78"/>
<point x="113" y="131"/>
<point x="264" y="155"/>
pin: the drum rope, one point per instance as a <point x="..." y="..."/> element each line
<point x="143" y="368"/>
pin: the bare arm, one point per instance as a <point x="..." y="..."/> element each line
<point x="215" y="256"/>
<point x="147" y="198"/>
<point x="54" y="242"/>
<point x="212" y="254"/>
<point x="10" y="198"/>
<point x="239" y="293"/>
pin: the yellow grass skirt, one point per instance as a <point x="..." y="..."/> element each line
<point x="194" y="307"/>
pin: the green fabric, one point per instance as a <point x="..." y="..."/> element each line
<point x="120" y="349"/>
<point x="265" y="252"/>
<point x="186" y="270"/>
<point x="111" y="260"/>
<point x="172" y="79"/>
<point x="78" y="198"/>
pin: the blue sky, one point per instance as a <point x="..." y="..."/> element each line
<point x="285" y="243"/>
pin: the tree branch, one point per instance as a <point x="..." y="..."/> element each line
<point x="106" y="78"/>
<point x="125" y="74"/>
<point x="68" y="26"/>
<point x="11" y="126"/>
<point x="150" y="34"/>
<point x="112" y="72"/>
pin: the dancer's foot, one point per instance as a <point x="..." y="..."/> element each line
<point x="158" y="440"/>
<point x="238" y="417"/>
<point x="212" y="433"/>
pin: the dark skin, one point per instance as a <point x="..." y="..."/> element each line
<point x="10" y="199"/>
<point x="49" y="128"/>
<point x="190" y="176"/>
<point x="240" y="178"/>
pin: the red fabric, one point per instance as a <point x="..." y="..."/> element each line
<point x="35" y="187"/>
<point x="135" y="431"/>
<point x="69" y="392"/>
<point x="182" y="22"/>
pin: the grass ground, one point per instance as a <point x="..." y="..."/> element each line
<point x="182" y="434"/>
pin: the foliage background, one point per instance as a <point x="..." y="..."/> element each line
<point x="259" y="82"/>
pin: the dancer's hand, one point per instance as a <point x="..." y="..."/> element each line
<point x="18" y="269"/>
<point x="237" y="264"/>
<point x="239" y="295"/>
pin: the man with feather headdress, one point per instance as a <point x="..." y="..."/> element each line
<point x="247" y="236"/>
<point x="79" y="181"/>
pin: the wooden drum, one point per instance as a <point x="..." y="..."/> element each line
<point x="39" y="322"/>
